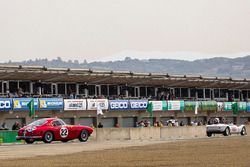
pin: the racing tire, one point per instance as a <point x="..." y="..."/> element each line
<point x="48" y="137"/>
<point x="226" y="132"/>
<point x="29" y="141"/>
<point x="84" y="135"/>
<point x="209" y="134"/>
<point x="243" y="131"/>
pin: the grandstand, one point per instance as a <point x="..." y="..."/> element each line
<point x="42" y="82"/>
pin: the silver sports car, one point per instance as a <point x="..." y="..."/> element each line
<point x="225" y="129"/>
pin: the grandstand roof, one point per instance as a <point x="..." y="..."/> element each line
<point x="89" y="76"/>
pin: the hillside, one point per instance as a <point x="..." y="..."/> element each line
<point x="237" y="67"/>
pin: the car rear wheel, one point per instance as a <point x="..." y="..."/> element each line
<point x="29" y="141"/>
<point x="48" y="137"/>
<point x="243" y="131"/>
<point x="226" y="132"/>
<point x="209" y="134"/>
<point x="84" y="135"/>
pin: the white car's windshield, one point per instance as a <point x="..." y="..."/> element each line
<point x="38" y="122"/>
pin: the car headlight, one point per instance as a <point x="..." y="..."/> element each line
<point x="30" y="129"/>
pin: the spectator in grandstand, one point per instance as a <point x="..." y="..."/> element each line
<point x="16" y="126"/>
<point x="147" y="123"/>
<point x="117" y="125"/>
<point x="182" y="123"/>
<point x="20" y="92"/>
<point x="141" y="124"/>
<point x="4" y="127"/>
<point x="100" y="125"/>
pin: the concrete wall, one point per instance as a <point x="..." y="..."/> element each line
<point x="151" y="133"/>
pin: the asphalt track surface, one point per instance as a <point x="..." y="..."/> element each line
<point x="13" y="151"/>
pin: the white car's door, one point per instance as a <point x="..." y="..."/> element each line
<point x="234" y="129"/>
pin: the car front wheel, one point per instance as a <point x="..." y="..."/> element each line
<point x="48" y="137"/>
<point x="84" y="135"/>
<point x="29" y="141"/>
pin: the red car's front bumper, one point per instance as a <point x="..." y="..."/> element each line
<point x="28" y="137"/>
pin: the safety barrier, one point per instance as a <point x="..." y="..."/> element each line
<point x="149" y="133"/>
<point x="8" y="136"/>
<point x="153" y="133"/>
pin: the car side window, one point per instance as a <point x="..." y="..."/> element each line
<point x="56" y="123"/>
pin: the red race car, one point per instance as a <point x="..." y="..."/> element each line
<point x="53" y="129"/>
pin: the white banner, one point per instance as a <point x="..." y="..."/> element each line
<point x="175" y="105"/>
<point x="157" y="105"/>
<point x="75" y="104"/>
<point x="102" y="103"/>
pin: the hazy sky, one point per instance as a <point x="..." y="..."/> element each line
<point x="112" y="29"/>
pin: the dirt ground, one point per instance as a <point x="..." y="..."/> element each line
<point x="215" y="151"/>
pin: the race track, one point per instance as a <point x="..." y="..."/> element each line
<point x="9" y="151"/>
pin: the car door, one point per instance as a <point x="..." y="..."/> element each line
<point x="61" y="130"/>
<point x="234" y="129"/>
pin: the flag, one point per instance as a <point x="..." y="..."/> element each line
<point x="196" y="107"/>
<point x="235" y="108"/>
<point x="31" y="108"/>
<point x="150" y="109"/>
<point x="99" y="110"/>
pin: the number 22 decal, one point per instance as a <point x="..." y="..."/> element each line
<point x="64" y="132"/>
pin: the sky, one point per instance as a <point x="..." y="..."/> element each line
<point x="98" y="30"/>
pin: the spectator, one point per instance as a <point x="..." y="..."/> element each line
<point x="182" y="123"/>
<point x="4" y="127"/>
<point x="100" y="125"/>
<point x="117" y="125"/>
<point x="16" y="126"/>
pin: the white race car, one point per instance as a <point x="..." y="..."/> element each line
<point x="225" y="129"/>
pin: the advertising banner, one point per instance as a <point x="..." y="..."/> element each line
<point x="248" y="107"/>
<point x="50" y="103"/>
<point x="93" y="103"/>
<point x="138" y="104"/>
<point x="189" y="105"/>
<point x="21" y="104"/>
<point x="118" y="104"/>
<point x="175" y="105"/>
<point x="159" y="105"/>
<point x="5" y="104"/>
<point x="227" y="106"/>
<point x="242" y="106"/>
<point x="208" y="106"/>
<point x="75" y="104"/>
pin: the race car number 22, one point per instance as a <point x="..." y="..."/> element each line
<point x="64" y="132"/>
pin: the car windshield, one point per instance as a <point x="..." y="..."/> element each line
<point x="38" y="122"/>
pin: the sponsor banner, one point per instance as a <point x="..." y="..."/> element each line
<point x="242" y="106"/>
<point x="21" y="103"/>
<point x="175" y="105"/>
<point x="138" y="104"/>
<point x="75" y="104"/>
<point x="5" y="104"/>
<point x="118" y="104"/>
<point x="220" y="106"/>
<point x="51" y="103"/>
<point x="93" y="103"/>
<point x="189" y="105"/>
<point x="209" y="105"/>
<point x="227" y="106"/>
<point x="159" y="105"/>
<point x="248" y="107"/>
